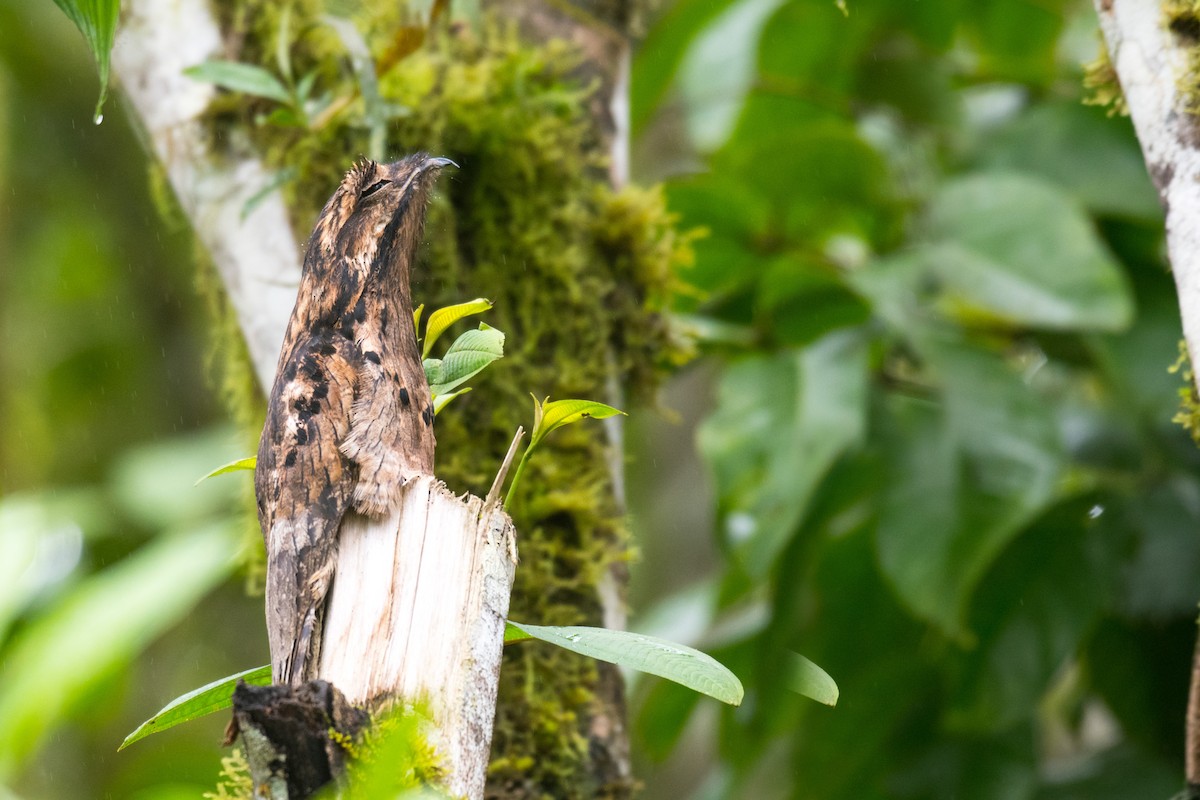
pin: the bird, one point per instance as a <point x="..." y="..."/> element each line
<point x="349" y="417"/>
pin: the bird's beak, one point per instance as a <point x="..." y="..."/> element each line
<point x="437" y="163"/>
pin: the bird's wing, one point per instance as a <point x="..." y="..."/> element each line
<point x="304" y="486"/>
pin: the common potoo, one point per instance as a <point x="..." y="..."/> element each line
<point x="349" y="418"/>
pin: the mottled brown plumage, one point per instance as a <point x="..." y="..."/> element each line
<point x="349" y="417"/>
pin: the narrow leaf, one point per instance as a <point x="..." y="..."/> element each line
<point x="675" y="662"/>
<point x="197" y="703"/>
<point x="238" y="77"/>
<point x="417" y="317"/>
<point x="97" y="21"/>
<point x="233" y="466"/>
<point x="443" y="318"/>
<point x="558" y="413"/>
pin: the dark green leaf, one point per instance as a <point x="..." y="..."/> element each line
<point x="780" y="424"/>
<point x="964" y="479"/>
<point x="1015" y="250"/>
<point x="97" y="21"/>
<point x="210" y="698"/>
<point x="1085" y="152"/>
<point x="660" y="54"/>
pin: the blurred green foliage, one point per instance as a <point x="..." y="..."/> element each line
<point x="934" y="411"/>
<point x="939" y="442"/>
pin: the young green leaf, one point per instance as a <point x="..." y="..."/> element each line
<point x="467" y="357"/>
<point x="549" y="416"/>
<point x="417" y="318"/>
<point x="233" y="466"/>
<point x="238" y="77"/>
<point x="675" y="662"/>
<point x="97" y="21"/>
<point x="443" y="318"/>
<point x="442" y="400"/>
<point x="206" y="700"/>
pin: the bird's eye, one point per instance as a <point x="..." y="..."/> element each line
<point x="373" y="188"/>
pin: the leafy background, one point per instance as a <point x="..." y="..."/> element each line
<point x="928" y="444"/>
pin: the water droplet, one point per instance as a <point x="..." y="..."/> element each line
<point x="98" y="119"/>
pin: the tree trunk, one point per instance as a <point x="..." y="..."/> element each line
<point x="1152" y="56"/>
<point x="259" y="265"/>
<point x="419" y="599"/>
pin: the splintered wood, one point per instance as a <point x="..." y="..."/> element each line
<point x="417" y="610"/>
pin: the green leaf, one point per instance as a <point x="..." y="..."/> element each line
<point x="98" y="627"/>
<point x="210" y="698"/>
<point x="675" y="662"/>
<point x="1016" y="250"/>
<point x="442" y="400"/>
<point x="806" y="678"/>
<point x="238" y="77"/>
<point x="417" y="317"/>
<point x="1064" y="143"/>
<point x="965" y="478"/>
<point x="443" y="318"/>
<point x="248" y="463"/>
<point x="97" y="21"/>
<point x="470" y="354"/>
<point x="662" y="52"/>
<point x="781" y="423"/>
<point x="1031" y="613"/>
<point x="552" y="415"/>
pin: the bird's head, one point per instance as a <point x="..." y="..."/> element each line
<point x="376" y="217"/>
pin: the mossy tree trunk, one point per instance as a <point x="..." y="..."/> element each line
<point x="536" y="220"/>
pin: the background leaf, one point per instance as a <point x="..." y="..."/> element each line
<point x="238" y="77"/>
<point x="102" y="624"/>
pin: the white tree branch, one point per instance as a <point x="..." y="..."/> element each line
<point x="256" y="256"/>
<point x="1150" y="62"/>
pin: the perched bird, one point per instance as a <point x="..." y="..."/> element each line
<point x="349" y="418"/>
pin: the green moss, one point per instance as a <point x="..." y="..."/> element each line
<point x="234" y="782"/>
<point x="1189" y="400"/>
<point x="1183" y="18"/>
<point x="1102" y="87"/>
<point x="580" y="275"/>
